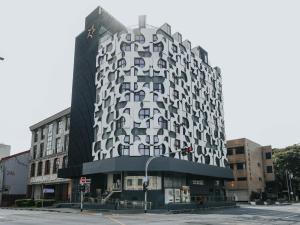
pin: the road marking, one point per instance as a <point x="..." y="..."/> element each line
<point x="115" y="220"/>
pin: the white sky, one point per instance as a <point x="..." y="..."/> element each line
<point x="256" y="44"/>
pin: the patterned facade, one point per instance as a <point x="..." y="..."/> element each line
<point x="155" y="95"/>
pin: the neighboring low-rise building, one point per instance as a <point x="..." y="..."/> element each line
<point x="13" y="178"/>
<point x="4" y="150"/>
<point x="252" y="167"/>
<point x="49" y="147"/>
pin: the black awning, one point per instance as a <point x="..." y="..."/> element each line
<point x="163" y="164"/>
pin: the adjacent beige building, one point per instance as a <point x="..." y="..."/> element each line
<point x="252" y="167"/>
<point x="48" y="153"/>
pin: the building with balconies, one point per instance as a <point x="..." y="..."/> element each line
<point x="252" y="167"/>
<point x="48" y="153"/>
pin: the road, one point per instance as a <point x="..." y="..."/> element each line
<point x="245" y="215"/>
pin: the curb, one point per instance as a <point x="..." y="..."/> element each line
<point x="36" y="209"/>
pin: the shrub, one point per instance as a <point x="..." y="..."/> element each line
<point x="24" y="202"/>
<point x="44" y="202"/>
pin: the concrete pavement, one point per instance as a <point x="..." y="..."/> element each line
<point x="289" y="214"/>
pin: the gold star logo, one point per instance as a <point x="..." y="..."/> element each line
<point x="91" y="31"/>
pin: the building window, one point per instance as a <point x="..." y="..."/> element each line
<point x="161" y="63"/>
<point x="140" y="62"/>
<point x="240" y="166"/>
<point x="143" y="114"/>
<point x="177" y="144"/>
<point x="65" y="162"/>
<point x="58" y="145"/>
<point x="139" y="96"/>
<point x="144" y="149"/>
<point x="198" y="182"/>
<point x="125" y="87"/>
<point x="260" y="179"/>
<point x="242" y="178"/>
<point x="139" y="38"/>
<point x="154" y="37"/>
<point x="155" y="139"/>
<point x="229" y="151"/>
<point x="176" y="128"/>
<point x="40" y="169"/>
<point x="41" y="150"/>
<point x="127" y="97"/>
<point x="124" y="149"/>
<point x="43" y="133"/>
<point x="268" y="155"/>
<point x="120" y="123"/>
<point x="158" y="47"/>
<point x="125" y="47"/>
<point x="174" y="48"/>
<point x="185" y="122"/>
<point x="159" y="150"/>
<point x="122" y="63"/>
<point x="127" y="110"/>
<point x="231" y="165"/>
<point x="59" y="127"/>
<point x="129" y="182"/>
<point x="240" y="150"/>
<point x="67" y="127"/>
<point x="32" y="170"/>
<point x="128" y="37"/>
<point x="127" y="139"/>
<point x="66" y="143"/>
<point x="55" y="165"/>
<point x="35" y="134"/>
<point x="34" y="152"/>
<point x="163" y="123"/>
<point x="47" y="167"/>
<point x="158" y="87"/>
<point x="175" y="94"/>
<point x="269" y="169"/>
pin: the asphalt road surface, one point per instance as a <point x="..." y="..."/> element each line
<point x="289" y="214"/>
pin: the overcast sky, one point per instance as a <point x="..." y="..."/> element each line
<point x="255" y="43"/>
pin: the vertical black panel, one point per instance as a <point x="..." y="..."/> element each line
<point x="97" y="24"/>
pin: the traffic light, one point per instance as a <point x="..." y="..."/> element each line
<point x="82" y="188"/>
<point x="145" y="185"/>
<point x="186" y="150"/>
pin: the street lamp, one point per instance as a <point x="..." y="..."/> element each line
<point x="183" y="151"/>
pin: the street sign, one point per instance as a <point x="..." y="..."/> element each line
<point x="82" y="180"/>
<point x="87" y="181"/>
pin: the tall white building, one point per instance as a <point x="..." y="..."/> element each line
<point x="141" y="92"/>
<point x="155" y="95"/>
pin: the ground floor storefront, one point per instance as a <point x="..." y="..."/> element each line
<point x="164" y="188"/>
<point x="171" y="181"/>
<point x="58" y="191"/>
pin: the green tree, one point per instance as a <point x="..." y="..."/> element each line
<point x="287" y="159"/>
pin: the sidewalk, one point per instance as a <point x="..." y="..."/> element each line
<point x="119" y="211"/>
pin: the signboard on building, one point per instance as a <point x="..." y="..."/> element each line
<point x="48" y="190"/>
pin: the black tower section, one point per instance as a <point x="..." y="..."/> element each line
<point x="97" y="25"/>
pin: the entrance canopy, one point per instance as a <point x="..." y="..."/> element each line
<point x="160" y="164"/>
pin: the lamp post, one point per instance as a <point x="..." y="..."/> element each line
<point x="146" y="180"/>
